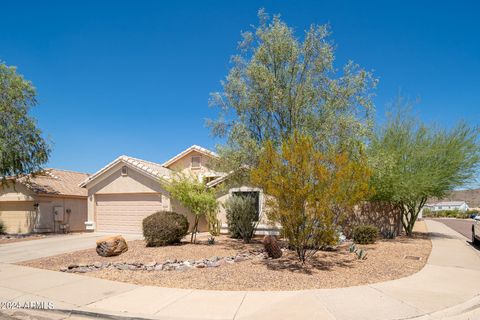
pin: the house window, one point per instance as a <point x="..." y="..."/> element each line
<point x="196" y="162"/>
<point x="124" y="171"/>
<point x="255" y="195"/>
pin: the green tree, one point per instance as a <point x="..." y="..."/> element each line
<point x="195" y="196"/>
<point x="22" y="148"/>
<point x="309" y="190"/>
<point x="278" y="84"/>
<point x="413" y="162"/>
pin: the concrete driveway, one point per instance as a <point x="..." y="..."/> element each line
<point x="34" y="249"/>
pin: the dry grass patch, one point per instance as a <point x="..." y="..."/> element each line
<point x="385" y="261"/>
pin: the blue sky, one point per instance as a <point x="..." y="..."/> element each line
<point x="133" y="77"/>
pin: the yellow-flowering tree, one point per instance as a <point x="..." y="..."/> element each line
<point x="308" y="190"/>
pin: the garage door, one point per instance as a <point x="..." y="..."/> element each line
<point x="124" y="213"/>
<point x="18" y="217"/>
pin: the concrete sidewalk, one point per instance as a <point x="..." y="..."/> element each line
<point x="447" y="288"/>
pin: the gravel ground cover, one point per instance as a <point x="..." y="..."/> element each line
<point x="386" y="260"/>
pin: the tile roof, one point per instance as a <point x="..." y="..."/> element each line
<point x="55" y="182"/>
<point x="152" y="169"/>
<point x="188" y="150"/>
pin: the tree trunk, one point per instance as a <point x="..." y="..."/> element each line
<point x="410" y="215"/>
<point x="193" y="237"/>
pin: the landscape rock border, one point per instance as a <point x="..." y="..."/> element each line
<point x="168" y="265"/>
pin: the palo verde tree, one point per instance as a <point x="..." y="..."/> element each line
<point x="22" y="148"/>
<point x="196" y="197"/>
<point x="412" y="162"/>
<point x="280" y="83"/>
<point x="309" y="190"/>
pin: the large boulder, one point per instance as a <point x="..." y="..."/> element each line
<point x="111" y="246"/>
<point x="272" y="247"/>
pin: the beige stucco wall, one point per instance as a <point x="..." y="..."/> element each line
<point x="112" y="182"/>
<point x="184" y="166"/>
<point x="75" y="219"/>
<point x="18" y="212"/>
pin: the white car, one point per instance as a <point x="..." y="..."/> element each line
<point x="476" y="230"/>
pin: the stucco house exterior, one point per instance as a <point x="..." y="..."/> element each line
<point x="447" y="205"/>
<point x="125" y="191"/>
<point x="50" y="201"/>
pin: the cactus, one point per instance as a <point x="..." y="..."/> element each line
<point x="270" y="244"/>
<point x="352" y="248"/>
<point x="214" y="226"/>
<point x="361" y="254"/>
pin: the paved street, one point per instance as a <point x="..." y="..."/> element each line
<point x="462" y="226"/>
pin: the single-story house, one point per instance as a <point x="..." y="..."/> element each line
<point x="50" y="201"/>
<point x="447" y="205"/>
<point x="125" y="191"/>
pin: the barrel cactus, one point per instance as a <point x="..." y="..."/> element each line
<point x="272" y="247"/>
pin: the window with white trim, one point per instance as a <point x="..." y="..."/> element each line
<point x="124" y="171"/>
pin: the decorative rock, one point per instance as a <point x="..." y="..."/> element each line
<point x="82" y="269"/>
<point x="213" y="264"/>
<point x="111" y="246"/>
<point x="182" y="268"/>
<point x="239" y="259"/>
<point x="168" y="265"/>
<point x="123" y="267"/>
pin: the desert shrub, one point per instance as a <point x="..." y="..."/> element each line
<point x="164" y="228"/>
<point x="447" y="214"/>
<point x="241" y="212"/>
<point x="3" y="229"/>
<point x="365" y="234"/>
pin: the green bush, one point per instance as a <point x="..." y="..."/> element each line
<point x="241" y="212"/>
<point x="447" y="214"/>
<point x="3" y="229"/>
<point x="365" y="234"/>
<point x="164" y="228"/>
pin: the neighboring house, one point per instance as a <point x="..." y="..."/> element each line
<point x="447" y="205"/>
<point x="127" y="190"/>
<point x="50" y="201"/>
<point x="471" y="197"/>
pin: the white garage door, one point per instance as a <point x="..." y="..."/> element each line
<point x="124" y="213"/>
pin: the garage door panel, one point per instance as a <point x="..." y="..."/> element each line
<point x="125" y="212"/>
